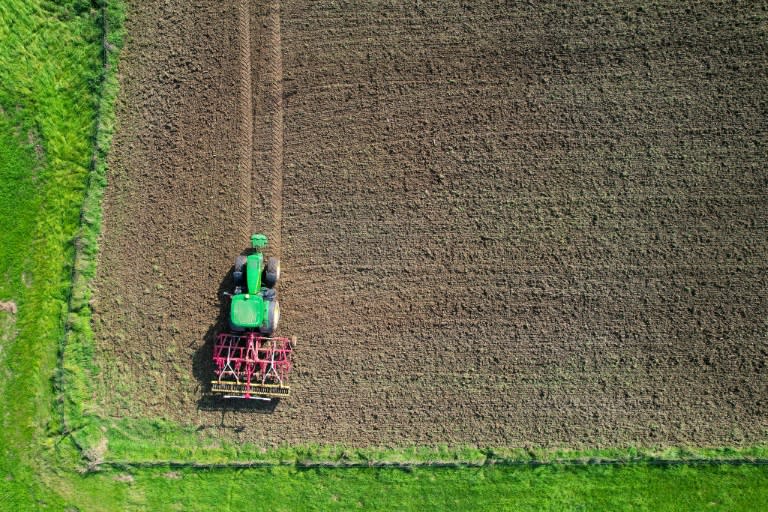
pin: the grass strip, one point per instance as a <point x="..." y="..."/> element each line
<point x="156" y="442"/>
<point x="76" y="348"/>
<point x="557" y="488"/>
<point x="49" y="73"/>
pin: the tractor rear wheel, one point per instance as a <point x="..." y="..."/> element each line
<point x="238" y="274"/>
<point x="272" y="272"/>
<point x="273" y="318"/>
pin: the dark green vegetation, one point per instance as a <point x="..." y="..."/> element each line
<point x="55" y="109"/>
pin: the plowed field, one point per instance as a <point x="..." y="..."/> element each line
<point x="506" y="224"/>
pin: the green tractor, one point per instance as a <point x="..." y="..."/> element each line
<point x="250" y="362"/>
<point x="254" y="305"/>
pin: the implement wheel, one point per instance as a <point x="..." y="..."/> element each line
<point x="272" y="272"/>
<point x="273" y="318"/>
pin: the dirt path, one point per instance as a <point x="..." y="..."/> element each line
<point x="540" y="225"/>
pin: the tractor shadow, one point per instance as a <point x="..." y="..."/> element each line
<point x="203" y="367"/>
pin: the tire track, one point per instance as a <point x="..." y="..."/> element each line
<point x="275" y="108"/>
<point x="245" y="109"/>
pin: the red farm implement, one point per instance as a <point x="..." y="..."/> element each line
<point x="252" y="366"/>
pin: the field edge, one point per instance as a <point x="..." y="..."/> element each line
<point x="150" y="443"/>
<point x="75" y="357"/>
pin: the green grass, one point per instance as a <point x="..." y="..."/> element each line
<point x="55" y="125"/>
<point x="556" y="488"/>
<point x="17" y="196"/>
<point x="49" y="73"/>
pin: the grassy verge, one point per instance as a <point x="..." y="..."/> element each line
<point x="150" y="442"/>
<point x="557" y="488"/>
<point x="50" y="68"/>
<point x="76" y="350"/>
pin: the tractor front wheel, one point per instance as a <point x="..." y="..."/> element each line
<point x="238" y="274"/>
<point x="272" y="272"/>
<point x="273" y="318"/>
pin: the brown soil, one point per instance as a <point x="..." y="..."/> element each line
<point x="517" y="225"/>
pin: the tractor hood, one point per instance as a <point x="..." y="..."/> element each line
<point x="247" y="310"/>
<point x="255" y="263"/>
